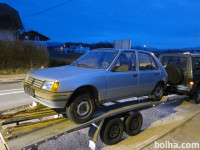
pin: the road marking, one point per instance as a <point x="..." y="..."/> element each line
<point x="11" y="93"/>
<point x="10" y="90"/>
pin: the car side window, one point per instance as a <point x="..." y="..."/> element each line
<point x="146" y="62"/>
<point x="125" y="62"/>
<point x="196" y="64"/>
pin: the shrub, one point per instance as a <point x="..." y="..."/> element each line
<point x="16" y="55"/>
<point x="60" y="62"/>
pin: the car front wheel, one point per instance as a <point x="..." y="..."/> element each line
<point x="81" y="109"/>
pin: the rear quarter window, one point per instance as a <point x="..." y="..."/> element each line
<point x="146" y="62"/>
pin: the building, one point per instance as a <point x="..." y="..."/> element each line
<point x="10" y="23"/>
<point x="35" y="38"/>
<point x="11" y="28"/>
<point x="77" y="49"/>
<point x="122" y="44"/>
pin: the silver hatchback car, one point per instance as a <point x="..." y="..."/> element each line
<point x="99" y="76"/>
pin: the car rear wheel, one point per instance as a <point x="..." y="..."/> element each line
<point x="81" y="109"/>
<point x="157" y="93"/>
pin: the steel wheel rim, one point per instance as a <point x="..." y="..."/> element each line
<point x="134" y="123"/>
<point x="114" y="131"/>
<point x="83" y="108"/>
<point x="158" y="91"/>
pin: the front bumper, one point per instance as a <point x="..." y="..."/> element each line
<point x="49" y="99"/>
<point x="51" y="104"/>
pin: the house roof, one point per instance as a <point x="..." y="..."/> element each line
<point x="33" y="33"/>
<point x="9" y="18"/>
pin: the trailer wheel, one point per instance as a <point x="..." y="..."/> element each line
<point x="112" y="131"/>
<point x="157" y="93"/>
<point x="81" y="109"/>
<point x="133" y="124"/>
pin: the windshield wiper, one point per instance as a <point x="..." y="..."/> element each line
<point x="84" y="65"/>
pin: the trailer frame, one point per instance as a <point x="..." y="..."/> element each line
<point x="18" y="119"/>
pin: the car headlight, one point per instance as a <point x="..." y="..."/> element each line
<point x="51" y="86"/>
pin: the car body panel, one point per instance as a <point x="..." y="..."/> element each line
<point x="56" y="73"/>
<point x="149" y="78"/>
<point x="95" y="79"/>
<point x="121" y="85"/>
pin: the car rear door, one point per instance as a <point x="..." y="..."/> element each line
<point x="149" y="73"/>
<point x="122" y="79"/>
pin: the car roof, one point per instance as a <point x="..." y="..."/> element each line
<point x="123" y="50"/>
<point x="180" y="54"/>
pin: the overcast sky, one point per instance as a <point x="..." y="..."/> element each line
<point x="155" y="23"/>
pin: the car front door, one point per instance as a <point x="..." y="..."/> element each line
<point x="149" y="73"/>
<point x="122" y="79"/>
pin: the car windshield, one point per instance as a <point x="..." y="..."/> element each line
<point x="98" y="59"/>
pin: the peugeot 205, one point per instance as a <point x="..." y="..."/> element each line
<point x="97" y="77"/>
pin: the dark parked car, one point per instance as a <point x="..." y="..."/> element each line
<point x="183" y="71"/>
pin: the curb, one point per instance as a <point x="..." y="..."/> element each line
<point x="12" y="78"/>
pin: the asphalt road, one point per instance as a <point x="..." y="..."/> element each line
<point x="12" y="95"/>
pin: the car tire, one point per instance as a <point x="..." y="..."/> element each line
<point x="112" y="131"/>
<point x="133" y="124"/>
<point x="157" y="93"/>
<point x="197" y="95"/>
<point x="81" y="109"/>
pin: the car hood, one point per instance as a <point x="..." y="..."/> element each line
<point x="57" y="73"/>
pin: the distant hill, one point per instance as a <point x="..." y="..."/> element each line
<point x="109" y="45"/>
<point x="55" y="44"/>
<point x="192" y="48"/>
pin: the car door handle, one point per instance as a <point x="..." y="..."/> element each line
<point x="135" y="75"/>
<point x="157" y="73"/>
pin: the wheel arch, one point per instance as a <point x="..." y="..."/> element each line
<point x="86" y="88"/>
<point x="160" y="82"/>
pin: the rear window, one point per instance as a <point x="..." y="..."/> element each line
<point x="196" y="64"/>
<point x="180" y="62"/>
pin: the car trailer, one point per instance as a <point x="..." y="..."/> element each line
<point x="28" y="126"/>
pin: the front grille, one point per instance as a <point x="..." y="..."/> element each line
<point x="34" y="82"/>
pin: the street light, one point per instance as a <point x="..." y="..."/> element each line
<point x="144" y="47"/>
